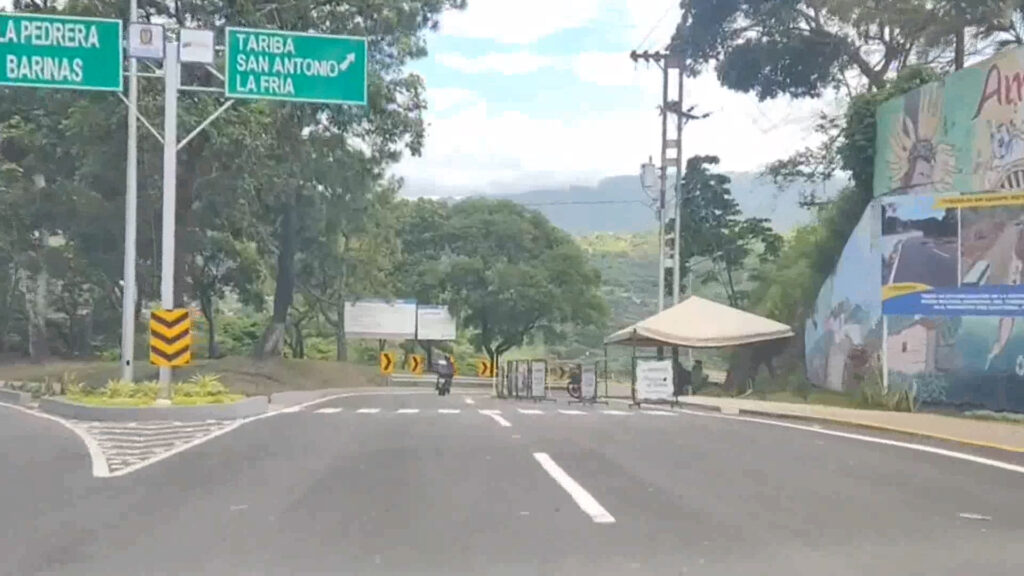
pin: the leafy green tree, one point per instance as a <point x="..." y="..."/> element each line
<point x="513" y="275"/>
<point x="712" y="226"/>
<point x="802" y="48"/>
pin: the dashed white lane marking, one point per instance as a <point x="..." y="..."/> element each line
<point x="615" y="412"/>
<point x="448" y="410"/>
<point x="530" y="411"/>
<point x="658" y="412"/>
<point x="408" y="411"/>
<point x="583" y="499"/>
<point x="572" y="412"/>
<point x="470" y="400"/>
<point x="328" y="411"/>
<point x="291" y="410"/>
<point x="368" y="410"/>
<point x="496" y="416"/>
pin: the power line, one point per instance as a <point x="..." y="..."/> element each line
<point x="656" y="24"/>
<point x="582" y="203"/>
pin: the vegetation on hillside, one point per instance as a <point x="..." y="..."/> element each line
<point x="284" y="212"/>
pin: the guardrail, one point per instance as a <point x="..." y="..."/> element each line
<point x="431" y="379"/>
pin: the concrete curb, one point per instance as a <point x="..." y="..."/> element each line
<point x="246" y="408"/>
<point x="15" y="397"/>
<point x="855" y="423"/>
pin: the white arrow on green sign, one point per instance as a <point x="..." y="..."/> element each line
<point x="60" y="52"/>
<point x="295" y="66"/>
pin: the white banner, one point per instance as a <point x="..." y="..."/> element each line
<point x="522" y="377"/>
<point x="654" y="380"/>
<point x="434" y="323"/>
<point x="589" y="382"/>
<point x="538" y="378"/>
<point x="381" y="320"/>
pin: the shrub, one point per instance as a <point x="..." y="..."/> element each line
<point x="201" y="386"/>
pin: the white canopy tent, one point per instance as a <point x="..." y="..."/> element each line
<point x="700" y="323"/>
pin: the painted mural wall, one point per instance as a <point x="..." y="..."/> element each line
<point x="843" y="339"/>
<point x="947" y="246"/>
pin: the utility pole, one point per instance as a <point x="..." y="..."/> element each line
<point x="130" y="217"/>
<point x="671" y="156"/>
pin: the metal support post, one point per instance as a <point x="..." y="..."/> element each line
<point x="171" y="79"/>
<point x="130" y="218"/>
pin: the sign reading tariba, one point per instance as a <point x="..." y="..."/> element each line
<point x="60" y="52"/>
<point x="295" y="66"/>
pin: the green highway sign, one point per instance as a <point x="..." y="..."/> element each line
<point x="60" y="52"/>
<point x="295" y="66"/>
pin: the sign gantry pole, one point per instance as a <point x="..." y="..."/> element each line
<point x="130" y="217"/>
<point x="171" y="78"/>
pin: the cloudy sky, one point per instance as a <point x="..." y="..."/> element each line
<point x="530" y="93"/>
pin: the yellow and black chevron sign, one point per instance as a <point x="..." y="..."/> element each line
<point x="170" y="337"/>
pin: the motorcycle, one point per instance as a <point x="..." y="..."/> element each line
<point x="445" y="372"/>
<point x="443" y="386"/>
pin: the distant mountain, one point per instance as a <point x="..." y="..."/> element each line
<point x="617" y="204"/>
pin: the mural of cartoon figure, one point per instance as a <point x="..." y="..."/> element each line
<point x="1006" y="324"/>
<point x="1006" y="167"/>
<point x="918" y="162"/>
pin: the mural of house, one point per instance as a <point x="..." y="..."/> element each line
<point x="913" y="350"/>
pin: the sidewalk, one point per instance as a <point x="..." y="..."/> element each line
<point x="999" y="435"/>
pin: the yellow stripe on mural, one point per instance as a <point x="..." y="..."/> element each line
<point x="986" y="200"/>
<point x="902" y="288"/>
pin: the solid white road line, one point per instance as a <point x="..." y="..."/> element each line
<point x="368" y="410"/>
<point x="328" y="411"/>
<point x="573" y="412"/>
<point x="470" y="400"/>
<point x="448" y="410"/>
<point x="100" y="469"/>
<point x="583" y="498"/>
<point x="496" y="416"/>
<point x="530" y="411"/>
<point x="863" y="438"/>
<point x="408" y="411"/>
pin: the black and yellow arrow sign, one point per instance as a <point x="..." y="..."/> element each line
<point x="416" y="363"/>
<point x="485" y="368"/>
<point x="170" y="337"/>
<point x="387" y="362"/>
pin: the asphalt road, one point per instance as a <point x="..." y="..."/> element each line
<point x="416" y="484"/>
<point x="924" y="261"/>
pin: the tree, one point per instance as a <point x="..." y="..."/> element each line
<point x="712" y="227"/>
<point x="390" y="123"/>
<point x="802" y="48"/>
<point x="512" y="275"/>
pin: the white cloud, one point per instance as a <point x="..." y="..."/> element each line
<point x="475" y="149"/>
<point x="611" y="69"/>
<point x="519" y="21"/>
<point x="499" y="62"/>
<point x="444" y="99"/>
